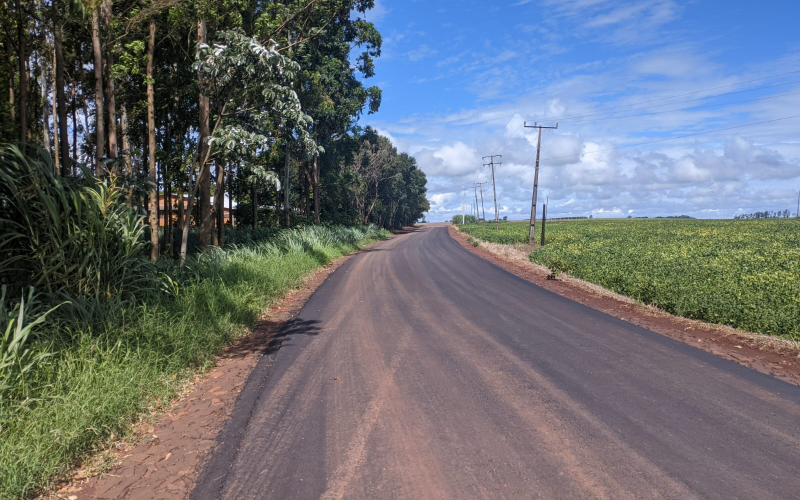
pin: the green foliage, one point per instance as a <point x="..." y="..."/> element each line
<point x="17" y="357"/>
<point x="73" y="237"/>
<point x="470" y="219"/>
<point x="508" y="233"/>
<point x="368" y="181"/>
<point x="745" y="274"/>
<point x="250" y="83"/>
<point x="101" y="378"/>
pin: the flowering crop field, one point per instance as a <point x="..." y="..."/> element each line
<point x="745" y="274"/>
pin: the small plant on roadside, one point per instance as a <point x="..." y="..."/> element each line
<point x="18" y="355"/>
<point x="556" y="266"/>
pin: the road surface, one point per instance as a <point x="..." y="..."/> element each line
<point x="419" y="370"/>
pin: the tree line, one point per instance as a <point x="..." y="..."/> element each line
<point x="766" y="214"/>
<point x="198" y="108"/>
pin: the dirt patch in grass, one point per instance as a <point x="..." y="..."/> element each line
<point x="163" y="456"/>
<point x="771" y="355"/>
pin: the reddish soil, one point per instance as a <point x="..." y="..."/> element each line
<point x="167" y="460"/>
<point x="764" y="354"/>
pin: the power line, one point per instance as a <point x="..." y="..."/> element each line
<point x="655" y="141"/>
<point x="449" y="188"/>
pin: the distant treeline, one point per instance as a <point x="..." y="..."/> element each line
<point x="766" y="214"/>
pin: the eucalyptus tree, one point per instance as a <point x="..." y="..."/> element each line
<point x="249" y="88"/>
<point x="321" y="37"/>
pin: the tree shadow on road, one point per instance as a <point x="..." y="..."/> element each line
<point x="297" y="326"/>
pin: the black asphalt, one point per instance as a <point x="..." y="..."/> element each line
<point x="419" y="370"/>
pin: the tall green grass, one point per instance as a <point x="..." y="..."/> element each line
<point x="120" y="341"/>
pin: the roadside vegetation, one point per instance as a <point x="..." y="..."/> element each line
<point x="167" y="169"/>
<point x="745" y="274"/>
<point x="94" y="334"/>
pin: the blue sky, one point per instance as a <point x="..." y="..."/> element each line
<point x="460" y="77"/>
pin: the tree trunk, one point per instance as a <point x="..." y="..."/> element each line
<point x="204" y="177"/>
<point x="45" y="109"/>
<point x="317" y="190"/>
<point x="74" y="133"/>
<point x="151" y="141"/>
<point x="126" y="146"/>
<point x="60" y="96"/>
<point x="219" y="206"/>
<point x="100" y="139"/>
<point x="306" y="189"/>
<point x="202" y="182"/>
<point x="12" y="101"/>
<point x="230" y="194"/>
<point x="23" y="73"/>
<point x="287" y="171"/>
<point x="179" y="222"/>
<point x="254" y="201"/>
<point x="56" y="145"/>
<point x="90" y="142"/>
<point x="110" y="98"/>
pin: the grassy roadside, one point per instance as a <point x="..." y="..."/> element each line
<point x="101" y="378"/>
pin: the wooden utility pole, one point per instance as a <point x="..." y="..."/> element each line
<point x="480" y="187"/>
<point x="491" y="163"/>
<point x="477" y="214"/>
<point x="544" y="220"/>
<point x="462" y="207"/>
<point x="532" y="232"/>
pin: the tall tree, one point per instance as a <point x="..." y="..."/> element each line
<point x="110" y="96"/>
<point x="22" y="57"/>
<point x="204" y="171"/>
<point x="151" y="140"/>
<point x="99" y="124"/>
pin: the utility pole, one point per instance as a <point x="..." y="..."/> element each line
<point x="797" y="214"/>
<point x="544" y="220"/>
<point x="480" y="187"/>
<point x="532" y="233"/>
<point x="477" y="214"/>
<point x="491" y="163"/>
<point x="462" y="207"/>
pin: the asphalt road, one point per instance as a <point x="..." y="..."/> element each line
<point x="419" y="370"/>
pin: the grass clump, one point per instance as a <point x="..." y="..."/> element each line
<point x="87" y="345"/>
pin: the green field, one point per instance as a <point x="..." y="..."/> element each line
<point x="745" y="274"/>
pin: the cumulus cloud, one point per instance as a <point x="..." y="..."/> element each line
<point x="454" y="159"/>
<point x="593" y="165"/>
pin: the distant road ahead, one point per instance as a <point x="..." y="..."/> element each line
<point x="419" y="370"/>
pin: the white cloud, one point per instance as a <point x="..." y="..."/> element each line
<point x="378" y="12"/>
<point x="421" y="52"/>
<point x="454" y="159"/>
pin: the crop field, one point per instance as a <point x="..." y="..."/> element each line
<point x="745" y="274"/>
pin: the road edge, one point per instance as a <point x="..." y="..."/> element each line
<point x="773" y="356"/>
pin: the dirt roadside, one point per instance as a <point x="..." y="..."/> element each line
<point x="777" y="357"/>
<point x="166" y="459"/>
